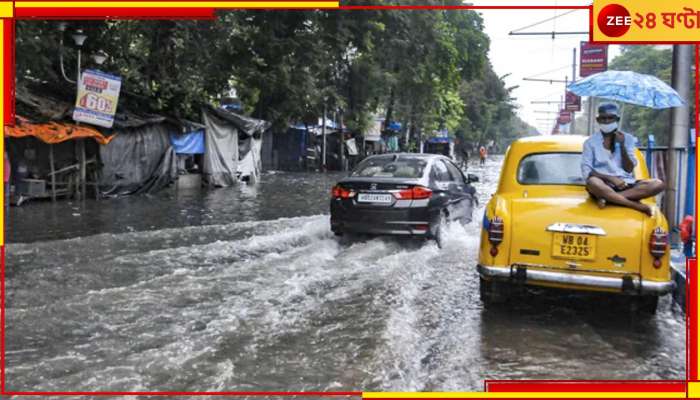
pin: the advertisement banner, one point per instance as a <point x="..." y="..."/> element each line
<point x="98" y="95"/>
<point x="625" y="21"/>
<point x="573" y="102"/>
<point x="593" y="59"/>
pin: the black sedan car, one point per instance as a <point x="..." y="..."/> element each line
<point x="402" y="194"/>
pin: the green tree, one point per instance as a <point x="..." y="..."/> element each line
<point x="655" y="61"/>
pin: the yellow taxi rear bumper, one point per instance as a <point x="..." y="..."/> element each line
<point x="628" y="284"/>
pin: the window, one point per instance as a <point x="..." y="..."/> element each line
<point x="390" y="166"/>
<point x="440" y="172"/>
<point x="551" y="169"/>
<point x="454" y="172"/>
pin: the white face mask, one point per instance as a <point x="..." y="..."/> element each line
<point x="607" y="128"/>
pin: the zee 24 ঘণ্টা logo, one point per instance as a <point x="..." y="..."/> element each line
<point x="671" y="20"/>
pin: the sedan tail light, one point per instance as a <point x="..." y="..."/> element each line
<point x="415" y="193"/>
<point x="340" y="192"/>
<point x="658" y="245"/>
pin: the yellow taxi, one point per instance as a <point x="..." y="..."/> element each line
<point x="542" y="228"/>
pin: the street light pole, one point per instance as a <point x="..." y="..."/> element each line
<point x="79" y="38"/>
<point x="573" y="79"/>
<point x="323" y="135"/>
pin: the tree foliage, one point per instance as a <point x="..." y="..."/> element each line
<point x="655" y="61"/>
<point x="426" y="68"/>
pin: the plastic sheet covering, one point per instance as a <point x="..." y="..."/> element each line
<point x="188" y="143"/>
<point x="246" y="125"/>
<point x="221" y="144"/>
<point x="139" y="160"/>
<point x="55" y="132"/>
<point x="250" y="163"/>
<point x="220" y="152"/>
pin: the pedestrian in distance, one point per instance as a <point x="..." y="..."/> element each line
<point x="482" y="155"/>
<point x="608" y="164"/>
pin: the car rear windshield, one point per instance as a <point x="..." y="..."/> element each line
<point x="391" y="166"/>
<point x="551" y="169"/>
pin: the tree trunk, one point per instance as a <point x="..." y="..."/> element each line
<point x="390" y="107"/>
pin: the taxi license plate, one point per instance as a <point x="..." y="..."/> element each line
<point x="577" y="247"/>
<point x="374" y="198"/>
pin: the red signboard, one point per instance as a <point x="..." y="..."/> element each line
<point x="573" y="102"/>
<point x="594" y="58"/>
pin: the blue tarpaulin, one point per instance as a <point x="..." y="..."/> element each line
<point x="188" y="143"/>
<point x="439" y="140"/>
<point x="394" y="126"/>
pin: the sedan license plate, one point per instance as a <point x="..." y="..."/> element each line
<point x="374" y="198"/>
<point x="577" y="247"/>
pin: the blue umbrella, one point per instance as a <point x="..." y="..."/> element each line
<point x="629" y="87"/>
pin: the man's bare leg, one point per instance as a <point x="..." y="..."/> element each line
<point x="644" y="189"/>
<point x="601" y="190"/>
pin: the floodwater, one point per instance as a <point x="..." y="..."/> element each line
<point x="246" y="289"/>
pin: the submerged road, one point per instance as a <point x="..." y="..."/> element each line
<point x="246" y="289"/>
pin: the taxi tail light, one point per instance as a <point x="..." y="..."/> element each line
<point x="658" y="245"/>
<point x="495" y="231"/>
<point x="340" y="192"/>
<point x="415" y="193"/>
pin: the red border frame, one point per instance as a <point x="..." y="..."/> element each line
<point x="579" y="386"/>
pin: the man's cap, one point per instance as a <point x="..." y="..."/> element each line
<point x="608" y="109"/>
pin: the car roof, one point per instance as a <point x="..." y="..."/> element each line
<point x="408" y="155"/>
<point x="549" y="143"/>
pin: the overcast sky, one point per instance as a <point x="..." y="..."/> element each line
<point x="535" y="56"/>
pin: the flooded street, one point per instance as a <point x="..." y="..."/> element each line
<point x="246" y="289"/>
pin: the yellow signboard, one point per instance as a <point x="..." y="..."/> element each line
<point x="630" y="21"/>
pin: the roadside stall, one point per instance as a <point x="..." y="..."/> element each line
<point x="232" y="147"/>
<point x="47" y="159"/>
<point x="141" y="158"/>
<point x="440" y="145"/>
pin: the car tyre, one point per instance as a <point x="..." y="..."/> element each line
<point x="493" y="292"/>
<point x="440" y="228"/>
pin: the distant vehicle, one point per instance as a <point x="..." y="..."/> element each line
<point x="542" y="228"/>
<point x="440" y="145"/>
<point x="402" y="194"/>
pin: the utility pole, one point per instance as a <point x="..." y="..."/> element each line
<point x="680" y="125"/>
<point x="323" y="141"/>
<point x="339" y="121"/>
<point x="573" y="79"/>
<point x="563" y="105"/>
<point x="590" y="109"/>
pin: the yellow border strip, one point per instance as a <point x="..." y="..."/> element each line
<point x="521" y="395"/>
<point x="7" y="9"/>
<point x="694" y="389"/>
<point x="183" y="4"/>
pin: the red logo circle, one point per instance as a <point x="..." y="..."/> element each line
<point x="614" y="20"/>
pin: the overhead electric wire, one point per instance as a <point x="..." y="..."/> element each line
<point x="542" y="22"/>
<point x="549" y="72"/>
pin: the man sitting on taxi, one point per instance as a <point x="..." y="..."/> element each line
<point x="608" y="165"/>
